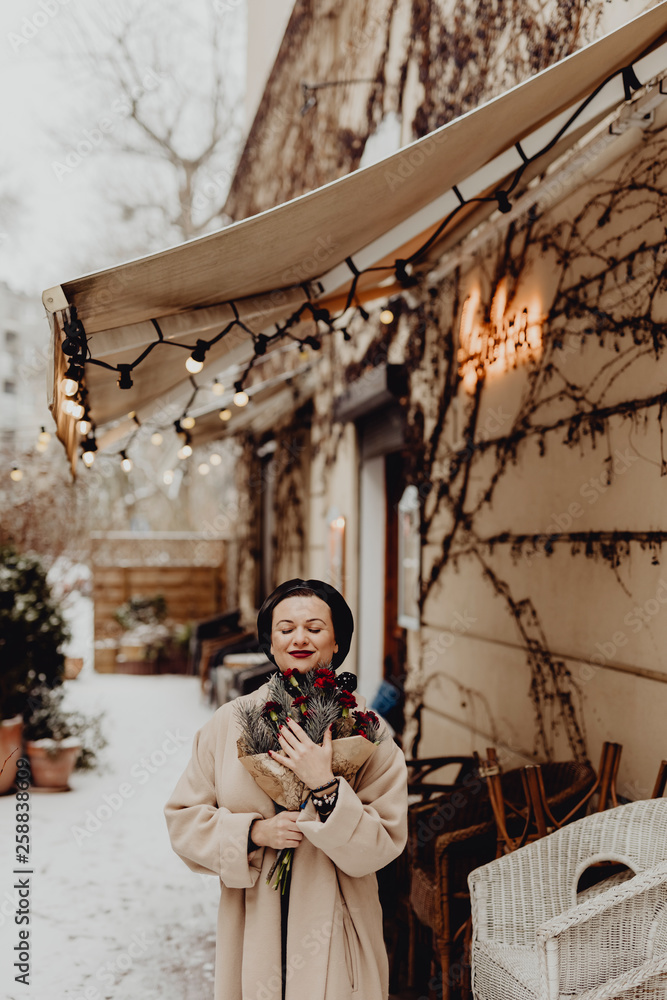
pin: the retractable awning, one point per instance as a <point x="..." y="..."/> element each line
<point x="261" y="271"/>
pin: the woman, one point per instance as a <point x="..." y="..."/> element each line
<point x="326" y="944"/>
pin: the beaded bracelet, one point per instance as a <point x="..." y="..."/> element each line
<point x="328" y="799"/>
<point x="325" y="785"/>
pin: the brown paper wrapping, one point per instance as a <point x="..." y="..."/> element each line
<point x="283" y="786"/>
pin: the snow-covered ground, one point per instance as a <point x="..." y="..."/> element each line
<point x="114" y="913"/>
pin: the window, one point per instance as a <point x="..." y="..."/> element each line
<point x="9" y="387"/>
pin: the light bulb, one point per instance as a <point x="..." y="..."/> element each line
<point x="386" y="316"/>
<point x="194" y="367"/>
<point x="225" y="414"/>
<point x="168" y="476"/>
<point x="69" y="386"/>
<point x="126" y="464"/>
<point x="77" y="411"/>
<point x="156" y="438"/>
<point x="188" y="423"/>
<point x="185" y="451"/>
<point x="84" y="427"/>
<point x="16" y="475"/>
<point x="44" y="437"/>
<point x="218" y="388"/>
<point x="68" y="406"/>
<point x="88" y="458"/>
<point x="215" y="459"/>
<point x="241" y="398"/>
<point x="204" y="469"/>
<point x="41" y="448"/>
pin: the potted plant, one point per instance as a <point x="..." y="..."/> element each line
<point x="32" y="632"/>
<point x="57" y="741"/>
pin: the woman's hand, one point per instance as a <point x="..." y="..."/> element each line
<point x="277" y="832"/>
<point x="310" y="762"/>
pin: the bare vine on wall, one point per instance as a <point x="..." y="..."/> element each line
<point x="611" y="291"/>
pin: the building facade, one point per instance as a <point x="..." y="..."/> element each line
<point x="481" y="466"/>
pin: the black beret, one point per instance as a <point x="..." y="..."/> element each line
<point x="341" y="616"/>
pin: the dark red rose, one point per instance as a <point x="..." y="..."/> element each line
<point x="301" y="700"/>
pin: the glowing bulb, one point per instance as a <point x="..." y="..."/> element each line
<point x="225" y="414"/>
<point x="69" y="386"/>
<point x="68" y="405"/>
<point x="168" y="477"/>
<point x="85" y="427"/>
<point x="241" y="398"/>
<point x="156" y="438"/>
<point x="44" y="437"/>
<point x="41" y="448"/>
<point x="132" y="414"/>
<point x="16" y="475"/>
<point x="218" y="388"/>
<point x="188" y="423"/>
<point x="194" y="367"/>
<point x="386" y="316"/>
<point x="339" y="522"/>
<point x="126" y="464"/>
<point x="204" y="469"/>
<point x="185" y="451"/>
<point x="470" y="378"/>
<point x="215" y="459"/>
<point x="88" y="458"/>
<point x="77" y="411"/>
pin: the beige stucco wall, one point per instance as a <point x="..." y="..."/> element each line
<point x="604" y="628"/>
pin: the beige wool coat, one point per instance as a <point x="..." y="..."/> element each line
<point x="335" y="949"/>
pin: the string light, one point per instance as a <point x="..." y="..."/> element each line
<point x="124" y="377"/>
<point x="16" y="475"/>
<point x="85" y="427"/>
<point x="203" y="469"/>
<point x="156" y="438"/>
<point x="185" y="451"/>
<point x="188" y="423"/>
<point x="386" y="316"/>
<point x="168" y="476"/>
<point x="195" y="362"/>
<point x="215" y="459"/>
<point x="126" y="463"/>
<point x="218" y="388"/>
<point x="43" y="441"/>
<point x="225" y="414"/>
<point x="89" y="447"/>
<point x="241" y="398"/>
<point x="77" y="411"/>
<point x="69" y="383"/>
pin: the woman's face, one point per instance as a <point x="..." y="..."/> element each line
<point x="302" y="635"/>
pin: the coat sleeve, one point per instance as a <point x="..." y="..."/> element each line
<point x="210" y="838"/>
<point x="367" y="828"/>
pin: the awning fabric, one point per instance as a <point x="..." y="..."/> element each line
<point x="271" y="263"/>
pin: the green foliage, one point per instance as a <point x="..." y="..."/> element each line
<point x="45" y="719"/>
<point x="141" y="611"/>
<point x="32" y="631"/>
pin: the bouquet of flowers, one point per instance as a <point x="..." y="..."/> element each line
<point x="316" y="700"/>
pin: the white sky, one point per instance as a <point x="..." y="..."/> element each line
<point x="53" y="236"/>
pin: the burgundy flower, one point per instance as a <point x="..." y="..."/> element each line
<point x="301" y="700"/>
<point x="325" y="679"/>
<point x="347" y="699"/>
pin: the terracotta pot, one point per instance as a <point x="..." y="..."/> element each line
<point x="10" y="740"/>
<point x="73" y="667"/>
<point x="52" y="762"/>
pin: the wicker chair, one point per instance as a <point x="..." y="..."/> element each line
<point x="533" y="937"/>
<point x="450" y="837"/>
<point x="394" y="880"/>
